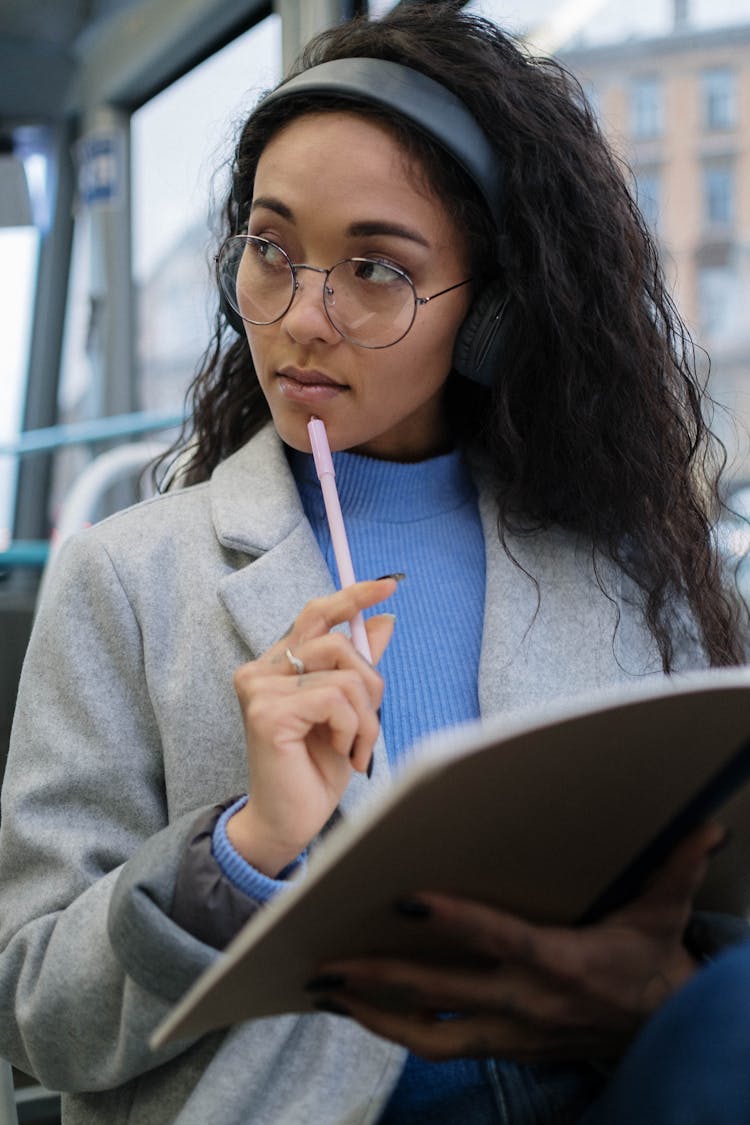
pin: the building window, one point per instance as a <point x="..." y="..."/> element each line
<point x="647" y="107"/>
<point x="718" y="195"/>
<point x="648" y="195"/>
<point x="719" y="99"/>
<point x="717" y="301"/>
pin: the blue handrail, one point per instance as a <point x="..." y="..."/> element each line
<point x="25" y="552"/>
<point x="87" y="433"/>
<point x="35" y="552"/>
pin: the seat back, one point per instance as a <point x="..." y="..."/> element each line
<point x="8" y="1114"/>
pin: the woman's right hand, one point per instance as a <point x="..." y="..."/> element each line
<point x="306" y="732"/>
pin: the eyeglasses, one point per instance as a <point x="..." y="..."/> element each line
<point x="370" y="303"/>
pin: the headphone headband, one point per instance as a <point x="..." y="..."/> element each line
<point x="426" y="103"/>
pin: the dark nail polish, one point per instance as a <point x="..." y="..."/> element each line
<point x="370" y="765"/>
<point x="332" y="1006"/>
<point x="324" y="982"/>
<point x="398" y="576"/>
<point x="412" y="908"/>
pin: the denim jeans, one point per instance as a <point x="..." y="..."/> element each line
<point x="491" y="1092"/>
<point x="690" y="1065"/>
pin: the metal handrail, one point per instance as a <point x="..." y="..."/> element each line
<point x="25" y="552"/>
<point x="36" y="552"/>
<point x="88" y="433"/>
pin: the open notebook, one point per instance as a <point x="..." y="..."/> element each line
<point x="559" y="816"/>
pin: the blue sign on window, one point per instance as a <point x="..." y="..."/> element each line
<point x="100" y="169"/>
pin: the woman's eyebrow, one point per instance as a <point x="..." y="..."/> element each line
<point x="361" y="229"/>
<point x="271" y="204"/>
<point x="395" y="230"/>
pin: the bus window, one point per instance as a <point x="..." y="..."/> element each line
<point x="19" y="252"/>
<point x="179" y="140"/>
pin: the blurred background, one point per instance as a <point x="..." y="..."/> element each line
<point x="117" y="120"/>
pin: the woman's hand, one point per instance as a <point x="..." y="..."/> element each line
<point x="528" y="992"/>
<point x="306" y="732"/>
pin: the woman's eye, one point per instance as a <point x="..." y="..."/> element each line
<point x="271" y="254"/>
<point x="379" y="273"/>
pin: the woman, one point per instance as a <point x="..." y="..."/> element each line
<point x="550" y="511"/>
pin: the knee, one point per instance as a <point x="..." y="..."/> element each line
<point x="690" y="1062"/>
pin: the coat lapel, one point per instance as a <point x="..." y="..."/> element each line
<point x="258" y="514"/>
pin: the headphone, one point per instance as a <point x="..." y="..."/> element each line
<point x="444" y="118"/>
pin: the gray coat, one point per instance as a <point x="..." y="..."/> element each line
<point x="127" y="727"/>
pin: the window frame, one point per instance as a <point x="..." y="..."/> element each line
<point x="719" y="89"/>
<point x="647" y="106"/>
<point x="718" y="181"/>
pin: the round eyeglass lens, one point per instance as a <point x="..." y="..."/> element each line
<point x="370" y="303"/>
<point x="256" y="277"/>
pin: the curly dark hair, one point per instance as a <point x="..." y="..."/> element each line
<point x="596" y="420"/>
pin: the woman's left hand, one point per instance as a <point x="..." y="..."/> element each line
<point x="529" y="992"/>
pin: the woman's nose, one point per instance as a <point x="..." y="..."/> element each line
<point x="306" y="318"/>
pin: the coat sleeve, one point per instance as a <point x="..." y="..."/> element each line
<point x="90" y="960"/>
<point x="206" y="903"/>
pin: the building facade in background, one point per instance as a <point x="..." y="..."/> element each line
<point x="677" y="110"/>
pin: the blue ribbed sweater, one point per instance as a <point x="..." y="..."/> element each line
<point x="421" y="519"/>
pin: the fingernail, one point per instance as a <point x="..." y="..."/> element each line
<point x="324" y="982"/>
<point x="412" y="908"/>
<point x="722" y="843"/>
<point x="391" y="615"/>
<point x="332" y="1006"/>
<point x="370" y="765"/>
<point x="399" y="576"/>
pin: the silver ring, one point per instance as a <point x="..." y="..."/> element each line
<point x="295" y="662"/>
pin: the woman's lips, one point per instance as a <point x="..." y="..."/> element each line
<point x="307" y="385"/>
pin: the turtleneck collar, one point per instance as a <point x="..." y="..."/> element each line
<point x="388" y="491"/>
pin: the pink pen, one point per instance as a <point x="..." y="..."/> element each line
<point x="321" y="452"/>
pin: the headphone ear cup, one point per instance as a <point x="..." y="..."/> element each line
<point x="480" y="343"/>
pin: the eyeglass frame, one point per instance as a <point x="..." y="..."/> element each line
<point x="419" y="302"/>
